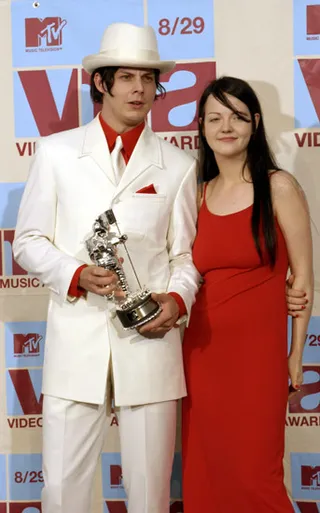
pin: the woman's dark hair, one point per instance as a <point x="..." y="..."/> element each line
<point x="107" y="75"/>
<point x="260" y="160"/>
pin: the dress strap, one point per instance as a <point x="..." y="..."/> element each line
<point x="201" y="194"/>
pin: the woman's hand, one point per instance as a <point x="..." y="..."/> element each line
<point x="295" y="372"/>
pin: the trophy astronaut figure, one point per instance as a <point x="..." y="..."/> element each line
<point x="135" y="308"/>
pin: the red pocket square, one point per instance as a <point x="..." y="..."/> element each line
<point x="149" y="189"/>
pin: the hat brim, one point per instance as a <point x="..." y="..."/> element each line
<point x="92" y="62"/>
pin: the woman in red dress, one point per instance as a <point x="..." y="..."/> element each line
<point x="253" y="222"/>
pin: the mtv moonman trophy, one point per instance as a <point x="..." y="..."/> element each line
<point x="136" y="308"/>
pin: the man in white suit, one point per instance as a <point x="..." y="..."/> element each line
<point x="117" y="162"/>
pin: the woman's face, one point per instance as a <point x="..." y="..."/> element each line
<point x="226" y="133"/>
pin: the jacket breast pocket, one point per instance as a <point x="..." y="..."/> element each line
<point x="143" y="213"/>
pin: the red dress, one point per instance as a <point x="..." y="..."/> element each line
<point x="235" y="355"/>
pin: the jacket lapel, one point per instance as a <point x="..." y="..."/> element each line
<point x="95" y="147"/>
<point x="146" y="154"/>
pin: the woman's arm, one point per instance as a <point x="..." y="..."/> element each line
<point x="292" y="212"/>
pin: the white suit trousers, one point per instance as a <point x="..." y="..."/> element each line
<point x="73" y="436"/>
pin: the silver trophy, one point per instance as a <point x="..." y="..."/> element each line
<point x="135" y="308"/>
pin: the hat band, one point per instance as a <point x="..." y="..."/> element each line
<point x="130" y="54"/>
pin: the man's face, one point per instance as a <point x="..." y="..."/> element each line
<point x="133" y="94"/>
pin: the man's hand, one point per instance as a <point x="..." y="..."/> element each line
<point x="166" y="320"/>
<point x="296" y="299"/>
<point x="99" y="281"/>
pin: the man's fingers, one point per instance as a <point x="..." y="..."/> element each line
<point x="161" y="321"/>
<point x="99" y="271"/>
<point x="105" y="286"/>
<point x="297" y="307"/>
<point x="290" y="280"/>
<point x="119" y="294"/>
<point x="295" y="294"/>
<point x="296" y="301"/>
<point x="102" y="291"/>
<point x="98" y="280"/>
<point x="111" y="281"/>
<point x="160" y="330"/>
<point x="158" y="323"/>
<point x="161" y="298"/>
<point x="157" y="329"/>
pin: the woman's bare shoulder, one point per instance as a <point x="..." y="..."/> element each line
<point x="284" y="183"/>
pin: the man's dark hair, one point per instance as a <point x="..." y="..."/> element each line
<point x="107" y="75"/>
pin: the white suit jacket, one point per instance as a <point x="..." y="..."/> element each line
<point x="71" y="183"/>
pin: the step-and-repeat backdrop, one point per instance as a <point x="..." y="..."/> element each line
<point x="43" y="89"/>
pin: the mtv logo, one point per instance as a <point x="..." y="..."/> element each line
<point x="184" y="85"/>
<point x="313" y="20"/>
<point x="45" y="32"/>
<point x="116" y="476"/>
<point x="305" y="476"/>
<point x="26" y="344"/>
<point x="307" y="400"/>
<point x="24" y="507"/>
<point x="310" y="476"/>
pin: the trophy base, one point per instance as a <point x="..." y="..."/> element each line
<point x="138" y="310"/>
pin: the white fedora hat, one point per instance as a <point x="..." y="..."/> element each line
<point x="127" y="45"/>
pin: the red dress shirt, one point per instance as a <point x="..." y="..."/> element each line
<point x="129" y="141"/>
